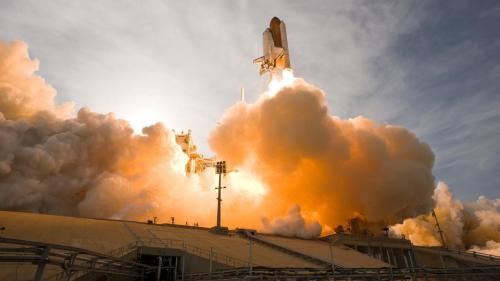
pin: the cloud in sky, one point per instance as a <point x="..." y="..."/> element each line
<point x="428" y="67"/>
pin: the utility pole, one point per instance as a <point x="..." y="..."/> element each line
<point x="220" y="168"/>
<point x="439" y="230"/>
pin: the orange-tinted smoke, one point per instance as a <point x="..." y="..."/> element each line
<point x="335" y="167"/>
<point x="94" y="165"/>
<point x="291" y="153"/>
<point x="292" y="225"/>
<point x="473" y="225"/>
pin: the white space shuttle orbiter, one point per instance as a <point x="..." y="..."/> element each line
<point x="276" y="56"/>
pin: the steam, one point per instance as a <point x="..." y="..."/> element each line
<point x="474" y="226"/>
<point x="339" y="168"/>
<point x="293" y="225"/>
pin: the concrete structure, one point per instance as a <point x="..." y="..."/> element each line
<point x="196" y="253"/>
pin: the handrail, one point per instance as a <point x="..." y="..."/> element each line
<point x="365" y="238"/>
<point x="464" y="253"/>
<point x="80" y="251"/>
<point x="479" y="254"/>
<point x="118" y="252"/>
<point x="182" y="245"/>
<point x="173" y="244"/>
<point x="123" y="250"/>
<point x="264" y="273"/>
<point x="69" y="259"/>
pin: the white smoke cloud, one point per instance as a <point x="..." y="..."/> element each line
<point x="474" y="225"/>
<point x="293" y="224"/>
<point x="22" y="93"/>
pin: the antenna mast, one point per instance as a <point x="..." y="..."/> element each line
<point x="439" y="230"/>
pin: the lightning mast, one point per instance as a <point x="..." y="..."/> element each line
<point x="439" y="229"/>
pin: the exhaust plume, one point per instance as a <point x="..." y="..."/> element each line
<point x="338" y="168"/>
<point x="293" y="224"/>
<point x="474" y="225"/>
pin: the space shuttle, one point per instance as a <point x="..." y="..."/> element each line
<point x="275" y="47"/>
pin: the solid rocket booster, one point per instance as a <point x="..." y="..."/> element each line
<point x="275" y="48"/>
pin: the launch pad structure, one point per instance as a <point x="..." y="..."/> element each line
<point x="196" y="163"/>
<point x="47" y="247"/>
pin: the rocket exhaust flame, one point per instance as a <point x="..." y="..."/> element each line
<point x="279" y="81"/>
<point x="293" y="157"/>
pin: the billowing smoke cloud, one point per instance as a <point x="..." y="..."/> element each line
<point x="339" y="168"/>
<point x="23" y="94"/>
<point x="290" y="152"/>
<point x="473" y="225"/>
<point x="78" y="166"/>
<point x="293" y="225"/>
<point x="93" y="164"/>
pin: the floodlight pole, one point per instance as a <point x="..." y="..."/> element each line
<point x="219" y="199"/>
<point x="220" y="169"/>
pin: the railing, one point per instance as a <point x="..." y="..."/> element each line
<point x="263" y="273"/>
<point x="182" y="245"/>
<point x="365" y="239"/>
<point x="70" y="259"/>
<point x="164" y="243"/>
<point x="123" y="250"/>
<point x="118" y="253"/>
<point x="473" y="254"/>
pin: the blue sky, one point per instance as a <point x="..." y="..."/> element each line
<point x="431" y="66"/>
